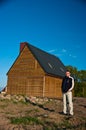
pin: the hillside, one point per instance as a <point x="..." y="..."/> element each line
<point x="23" y="113"/>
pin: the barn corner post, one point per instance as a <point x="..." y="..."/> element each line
<point x="43" y="86"/>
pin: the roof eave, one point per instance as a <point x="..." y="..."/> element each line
<point x="53" y="75"/>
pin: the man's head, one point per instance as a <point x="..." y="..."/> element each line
<point x="67" y="73"/>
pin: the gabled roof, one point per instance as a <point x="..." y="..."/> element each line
<point x="51" y="64"/>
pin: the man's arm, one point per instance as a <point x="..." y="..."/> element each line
<point x="72" y="84"/>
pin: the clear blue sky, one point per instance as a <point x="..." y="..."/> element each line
<point x="56" y="26"/>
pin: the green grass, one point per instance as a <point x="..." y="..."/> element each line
<point x="25" y="120"/>
<point x="47" y="125"/>
<point x="32" y="121"/>
<point x="65" y="124"/>
<point x="4" y="100"/>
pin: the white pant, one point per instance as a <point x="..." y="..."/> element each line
<point x="67" y="96"/>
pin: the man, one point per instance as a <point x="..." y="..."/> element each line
<point x="67" y="86"/>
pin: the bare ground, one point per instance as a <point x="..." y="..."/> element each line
<point x="28" y="116"/>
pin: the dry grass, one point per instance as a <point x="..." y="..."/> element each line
<point x="26" y="116"/>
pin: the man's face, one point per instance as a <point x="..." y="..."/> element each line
<point x="67" y="74"/>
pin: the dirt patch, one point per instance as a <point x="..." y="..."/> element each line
<point x="29" y="116"/>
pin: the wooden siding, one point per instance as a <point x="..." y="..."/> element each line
<point x="53" y="87"/>
<point x="26" y="75"/>
<point x="34" y="86"/>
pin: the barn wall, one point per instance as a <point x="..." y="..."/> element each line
<point x="53" y="87"/>
<point x="34" y="86"/>
<point x="26" y="75"/>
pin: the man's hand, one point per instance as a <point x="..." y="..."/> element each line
<point x="69" y="90"/>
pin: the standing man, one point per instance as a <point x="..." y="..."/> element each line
<point x="67" y="86"/>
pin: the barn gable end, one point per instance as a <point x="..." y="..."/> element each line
<point x="25" y="72"/>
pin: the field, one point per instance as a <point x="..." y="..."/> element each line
<point x="44" y="115"/>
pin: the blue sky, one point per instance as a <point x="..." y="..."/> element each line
<point x="56" y="26"/>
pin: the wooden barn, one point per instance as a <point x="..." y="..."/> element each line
<point x="35" y="73"/>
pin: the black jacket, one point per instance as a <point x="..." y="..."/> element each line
<point x="67" y="84"/>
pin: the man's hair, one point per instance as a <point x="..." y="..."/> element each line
<point x="67" y="71"/>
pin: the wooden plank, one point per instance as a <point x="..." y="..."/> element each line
<point x="53" y="87"/>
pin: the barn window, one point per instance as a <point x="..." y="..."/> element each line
<point x="61" y="69"/>
<point x="50" y="65"/>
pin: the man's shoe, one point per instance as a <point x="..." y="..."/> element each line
<point x="62" y="113"/>
<point x="70" y="115"/>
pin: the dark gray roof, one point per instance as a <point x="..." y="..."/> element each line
<point x="51" y="64"/>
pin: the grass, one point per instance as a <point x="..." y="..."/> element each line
<point x="32" y="121"/>
<point x="5" y="103"/>
<point x="25" y="120"/>
<point x="50" y="126"/>
<point x="47" y="125"/>
<point x="4" y="100"/>
<point x="65" y="124"/>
